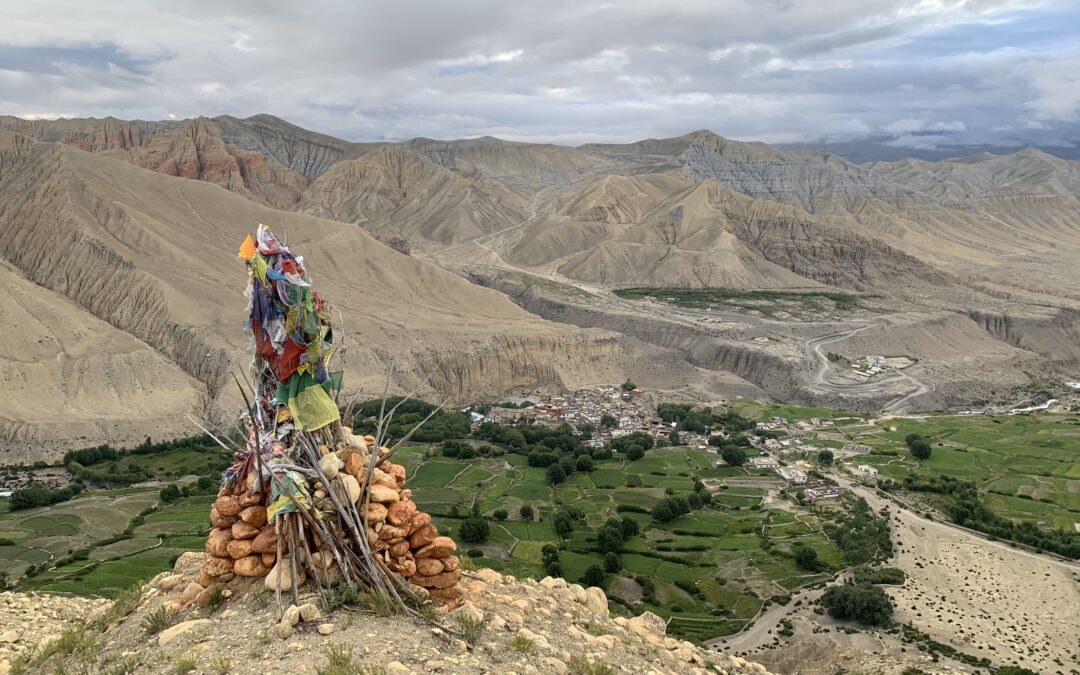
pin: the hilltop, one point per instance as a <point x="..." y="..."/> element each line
<point x="505" y="626"/>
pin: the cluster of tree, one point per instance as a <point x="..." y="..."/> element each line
<point x="443" y="424"/>
<point x="38" y="495"/>
<point x="806" y="558"/>
<point x="526" y="513"/>
<point x="879" y="575"/>
<point x="462" y="450"/>
<point x="633" y="446"/>
<point x="106" y="453"/>
<point x="732" y="448"/>
<point x="966" y="507"/>
<point x="920" y="447"/>
<point x="861" y="535"/>
<point x="614" y="534"/>
<point x="864" y="603"/>
<point x="474" y="529"/>
<point x="825" y="456"/>
<point x="670" y="508"/>
<point x="206" y="485"/>
<point x="550" y="555"/>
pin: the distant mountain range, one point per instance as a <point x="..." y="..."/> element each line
<point x="125" y="296"/>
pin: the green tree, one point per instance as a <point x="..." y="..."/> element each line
<point x="608" y="421"/>
<point x="674" y="437"/>
<point x="500" y="514"/>
<point x="585" y="463"/>
<point x="806" y="558"/>
<point x="556" y="474"/>
<point x="635" y="452"/>
<point x="594" y="576"/>
<point x="612" y="564"/>
<point x="563" y="525"/>
<point x="920" y="449"/>
<point x="733" y="455"/>
<point x="526" y="513"/>
<point x="609" y="539"/>
<point x="825" y="456"/>
<point x="863" y="603"/>
<point x="629" y="527"/>
<point x="628" y="386"/>
<point x="170" y="493"/>
<point x="474" y="530"/>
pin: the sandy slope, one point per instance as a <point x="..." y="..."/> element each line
<point x="152" y="257"/>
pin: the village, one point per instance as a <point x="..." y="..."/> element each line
<point x="607" y="412"/>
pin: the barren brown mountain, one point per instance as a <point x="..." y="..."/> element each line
<point x="965" y="267"/>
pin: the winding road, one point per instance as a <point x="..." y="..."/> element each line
<point x="822" y="383"/>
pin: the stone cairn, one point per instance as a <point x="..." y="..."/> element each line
<point x="306" y="499"/>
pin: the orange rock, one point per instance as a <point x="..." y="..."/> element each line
<point x="380" y="546"/>
<point x="441" y="547"/>
<point x="218" y="520"/>
<point x="424" y="536"/>
<point x="406" y="567"/>
<point x="239" y="548"/>
<point x="247" y="499"/>
<point x="441" y="580"/>
<point x="241" y="530"/>
<point x="401" y="513"/>
<point x="398" y="472"/>
<point x="389" y="484"/>
<point x="228" y="506"/>
<point x="217" y="543"/>
<point x="390" y="532"/>
<point x="449" y="563"/>
<point x="429" y="566"/>
<point x="399" y="549"/>
<point x="451" y="593"/>
<point x="383" y="494"/>
<point x="418" y="521"/>
<point x="355" y="465"/>
<point x="254" y="516"/>
<point x="215" y="567"/>
<point x="268" y="559"/>
<point x="250" y="566"/>
<point x="376" y="513"/>
<point x="265" y="541"/>
<point x="369" y="439"/>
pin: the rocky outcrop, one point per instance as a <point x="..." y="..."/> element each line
<point x="523" y="626"/>
<point x="30" y="619"/>
<point x="395" y="192"/>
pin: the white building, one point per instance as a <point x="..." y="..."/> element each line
<point x="866" y="470"/>
<point x="791" y="474"/>
<point x="763" y="462"/>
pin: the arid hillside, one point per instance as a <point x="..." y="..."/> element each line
<point x="967" y="267"/>
<point x="124" y="292"/>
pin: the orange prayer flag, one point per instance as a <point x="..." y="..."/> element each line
<point x="247" y="248"/>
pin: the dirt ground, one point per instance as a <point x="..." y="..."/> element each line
<point x="984" y="598"/>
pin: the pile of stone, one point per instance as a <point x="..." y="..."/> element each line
<point x="306" y="499"/>
<point x="244" y="545"/>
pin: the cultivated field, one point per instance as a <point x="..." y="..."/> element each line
<point x="709" y="569"/>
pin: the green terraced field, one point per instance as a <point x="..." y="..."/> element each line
<point x="1029" y="465"/>
<point x="698" y="551"/>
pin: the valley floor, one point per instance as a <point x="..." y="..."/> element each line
<point x="981" y="597"/>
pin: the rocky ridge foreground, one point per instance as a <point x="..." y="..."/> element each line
<point x="529" y="627"/>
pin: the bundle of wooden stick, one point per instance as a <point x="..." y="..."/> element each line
<point x="306" y="499"/>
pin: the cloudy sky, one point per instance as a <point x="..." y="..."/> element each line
<point x="918" y="74"/>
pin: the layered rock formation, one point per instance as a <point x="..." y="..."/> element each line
<point x="146" y="262"/>
<point x="393" y="191"/>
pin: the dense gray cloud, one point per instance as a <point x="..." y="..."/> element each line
<point x="910" y="73"/>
